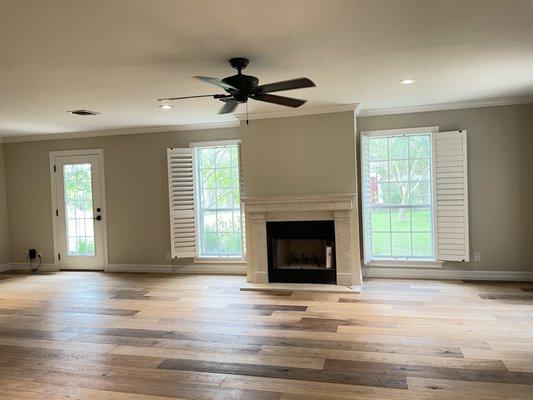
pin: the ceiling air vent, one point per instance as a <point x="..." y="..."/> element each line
<point x="84" y="112"/>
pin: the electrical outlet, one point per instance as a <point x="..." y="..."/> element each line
<point x="39" y="253"/>
<point x="32" y="254"/>
<point x="477" y="257"/>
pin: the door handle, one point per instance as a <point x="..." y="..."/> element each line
<point x="98" y="218"/>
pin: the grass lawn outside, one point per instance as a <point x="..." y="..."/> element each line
<point x="402" y="232"/>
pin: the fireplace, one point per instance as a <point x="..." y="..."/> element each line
<point x="283" y="232"/>
<point x="301" y="252"/>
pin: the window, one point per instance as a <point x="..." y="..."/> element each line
<point x="218" y="203"/>
<point x="397" y="196"/>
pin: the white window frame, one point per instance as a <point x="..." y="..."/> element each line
<point x="406" y="261"/>
<point x="215" y="259"/>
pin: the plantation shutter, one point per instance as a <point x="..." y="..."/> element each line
<point x="451" y="196"/>
<point x="181" y="202"/>
<point x="365" y="199"/>
<point x="242" y="194"/>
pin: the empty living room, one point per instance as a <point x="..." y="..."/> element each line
<point x="266" y="200"/>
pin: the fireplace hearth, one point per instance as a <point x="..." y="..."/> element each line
<point x="301" y="252"/>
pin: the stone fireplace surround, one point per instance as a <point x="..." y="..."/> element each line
<point x="341" y="208"/>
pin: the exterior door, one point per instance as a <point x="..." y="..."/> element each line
<point x="80" y="211"/>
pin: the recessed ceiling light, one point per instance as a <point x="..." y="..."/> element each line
<point x="407" y="81"/>
<point x="166" y="106"/>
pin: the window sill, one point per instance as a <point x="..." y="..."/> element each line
<point x="219" y="260"/>
<point x="384" y="262"/>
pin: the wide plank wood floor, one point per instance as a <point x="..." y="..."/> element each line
<point x="89" y="335"/>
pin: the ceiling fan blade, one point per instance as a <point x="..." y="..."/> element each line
<point x="299" y="83"/>
<point x="215" y="81"/>
<point x="215" y="96"/>
<point x="228" y="107"/>
<point x="281" y="100"/>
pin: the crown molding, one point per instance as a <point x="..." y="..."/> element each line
<point x="119" y="132"/>
<point x="446" y="106"/>
<point x="181" y="128"/>
<point x="295" y="112"/>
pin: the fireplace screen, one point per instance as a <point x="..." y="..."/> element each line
<point x="301" y="251"/>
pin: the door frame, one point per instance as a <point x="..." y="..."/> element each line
<point x="53" y="187"/>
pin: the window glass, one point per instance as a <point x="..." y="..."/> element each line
<point x="398" y="193"/>
<point x="218" y="202"/>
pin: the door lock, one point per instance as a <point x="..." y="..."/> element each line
<point x="98" y="218"/>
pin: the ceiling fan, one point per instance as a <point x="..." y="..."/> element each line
<point x="239" y="88"/>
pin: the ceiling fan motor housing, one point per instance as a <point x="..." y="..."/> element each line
<point x="244" y="84"/>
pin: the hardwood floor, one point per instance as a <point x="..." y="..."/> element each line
<point x="88" y="335"/>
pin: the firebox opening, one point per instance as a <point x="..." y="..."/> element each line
<point x="301" y="251"/>
<point x="303" y="254"/>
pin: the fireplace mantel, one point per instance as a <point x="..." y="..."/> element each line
<point x="300" y="202"/>
<point x="341" y="208"/>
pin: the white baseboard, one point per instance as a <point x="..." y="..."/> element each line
<point x="222" y="269"/>
<point x="239" y="269"/>
<point x="5" y="267"/>
<point x="47" y="267"/>
<point x="451" y="274"/>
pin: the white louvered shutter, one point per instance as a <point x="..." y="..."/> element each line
<point x="181" y="202"/>
<point x="451" y="196"/>
<point x="365" y="199"/>
<point x="243" y="211"/>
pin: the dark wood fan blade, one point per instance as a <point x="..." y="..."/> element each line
<point x="299" y="83"/>
<point x="215" y="81"/>
<point x="281" y="100"/>
<point x="215" y="96"/>
<point x="228" y="107"/>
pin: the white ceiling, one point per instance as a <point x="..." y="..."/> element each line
<point x="118" y="56"/>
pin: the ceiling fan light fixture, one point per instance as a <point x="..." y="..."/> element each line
<point x="166" y="107"/>
<point x="406" y="82"/>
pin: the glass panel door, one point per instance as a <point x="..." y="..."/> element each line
<point x="79" y="209"/>
<point x="80" y="213"/>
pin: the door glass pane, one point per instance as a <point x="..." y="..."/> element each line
<point x="79" y="209"/>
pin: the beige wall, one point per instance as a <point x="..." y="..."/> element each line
<point x="301" y="155"/>
<point x="500" y="174"/>
<point x="4" y="232"/>
<point x="136" y="191"/>
<point x="312" y="154"/>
